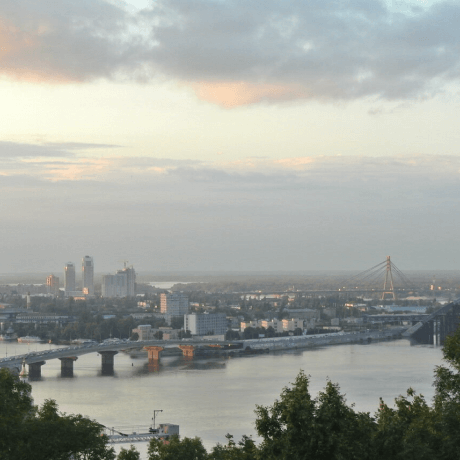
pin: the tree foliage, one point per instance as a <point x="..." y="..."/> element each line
<point x="175" y="448"/>
<point x="42" y="433"/>
<point x="297" y="426"/>
<point x="245" y="450"/>
<point x="128" y="454"/>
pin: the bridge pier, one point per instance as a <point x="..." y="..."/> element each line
<point x="188" y="351"/>
<point x="67" y="366"/>
<point x="107" y="361"/>
<point x="35" y="370"/>
<point x="154" y="353"/>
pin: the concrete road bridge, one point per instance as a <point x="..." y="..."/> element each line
<point x="68" y="355"/>
<point x="434" y="328"/>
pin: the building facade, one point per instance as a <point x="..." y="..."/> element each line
<point x="122" y="284"/>
<point x="52" y="285"/>
<point x="174" y="304"/>
<point x="69" y="277"/>
<point x="87" y="271"/>
<point x="206" y="323"/>
<point x="144" y="331"/>
<point x="292" y="324"/>
<point x="114" y="286"/>
<point x="130" y="275"/>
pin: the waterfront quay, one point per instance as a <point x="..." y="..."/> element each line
<point x="319" y="340"/>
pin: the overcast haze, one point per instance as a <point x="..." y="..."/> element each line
<point x="229" y="135"/>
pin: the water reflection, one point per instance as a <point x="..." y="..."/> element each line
<point x="179" y="364"/>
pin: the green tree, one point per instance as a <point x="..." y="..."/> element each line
<point x="232" y="335"/>
<point x="128" y="454"/>
<point x="158" y="335"/>
<point x="299" y="427"/>
<point x="175" y="449"/>
<point x="415" y="430"/>
<point x="185" y="334"/>
<point x="28" y="432"/>
<point x="407" y="432"/>
<point x="177" y="322"/>
<point x="245" y="450"/>
<point x="15" y="407"/>
<point x="297" y="331"/>
<point x="447" y="399"/>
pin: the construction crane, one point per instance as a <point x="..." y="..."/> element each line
<point x="124" y="262"/>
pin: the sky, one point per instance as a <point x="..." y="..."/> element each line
<point x="227" y="135"/>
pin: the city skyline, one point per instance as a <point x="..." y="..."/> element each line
<point x="229" y="136"/>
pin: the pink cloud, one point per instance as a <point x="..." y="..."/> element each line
<point x="234" y="94"/>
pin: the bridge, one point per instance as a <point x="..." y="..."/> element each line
<point x="68" y="355"/>
<point x="384" y="279"/>
<point x="395" y="318"/>
<point x="434" y="328"/>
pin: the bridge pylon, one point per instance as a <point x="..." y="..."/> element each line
<point x="388" y="287"/>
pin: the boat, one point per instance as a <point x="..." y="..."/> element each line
<point x="84" y="342"/>
<point x="29" y="339"/>
<point x="8" y="336"/>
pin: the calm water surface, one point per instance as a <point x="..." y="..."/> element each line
<point x="211" y="397"/>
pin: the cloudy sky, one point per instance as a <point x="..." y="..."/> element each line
<point x="229" y="134"/>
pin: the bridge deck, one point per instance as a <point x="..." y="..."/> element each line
<point x="67" y="352"/>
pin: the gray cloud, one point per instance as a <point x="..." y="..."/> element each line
<point x="15" y="150"/>
<point x="318" y="49"/>
<point x="322" y="48"/>
<point x="79" y="146"/>
<point x="64" y="40"/>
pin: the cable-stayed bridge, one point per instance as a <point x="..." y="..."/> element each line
<point x="385" y="278"/>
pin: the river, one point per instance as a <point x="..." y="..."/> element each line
<point x="211" y="397"/>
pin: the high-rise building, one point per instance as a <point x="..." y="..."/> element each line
<point x="122" y="284"/>
<point x="174" y="304"/>
<point x="52" y="285"/>
<point x="69" y="277"/>
<point x="114" y="285"/>
<point x="87" y="271"/>
<point x="130" y="274"/>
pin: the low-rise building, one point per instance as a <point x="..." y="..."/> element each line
<point x="245" y="324"/>
<point x="292" y="324"/>
<point x="206" y="323"/>
<point x="144" y="331"/>
<point x="169" y="333"/>
<point x="276" y="324"/>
